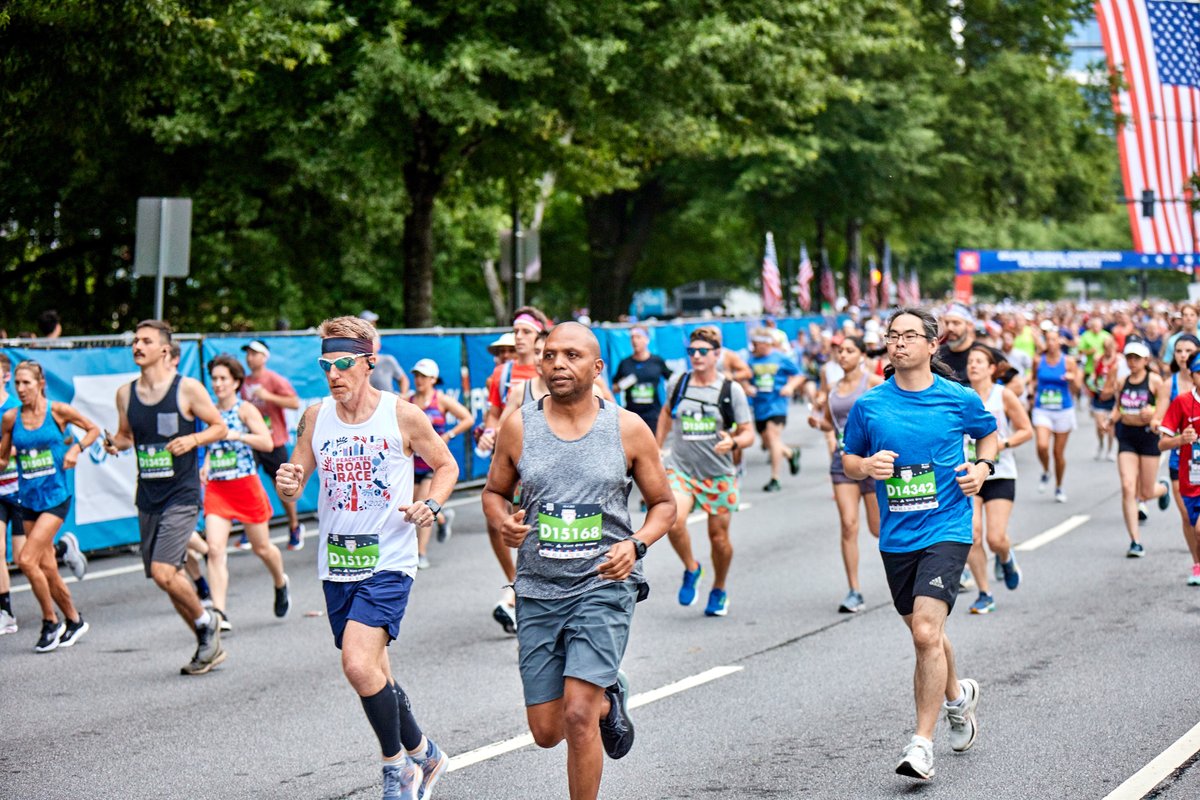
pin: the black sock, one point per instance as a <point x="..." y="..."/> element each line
<point x="202" y="588"/>
<point x="410" y="731"/>
<point x="6" y="602"/>
<point x="382" y="710"/>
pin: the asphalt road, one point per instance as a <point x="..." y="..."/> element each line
<point x="1087" y="672"/>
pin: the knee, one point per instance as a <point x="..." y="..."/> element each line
<point x="362" y="673"/>
<point x="545" y="735"/>
<point x="580" y="719"/>
<point x="163" y="574"/>
<point x="217" y="557"/>
<point x="27" y="559"/>
<point x="927" y="635"/>
<point x="263" y="548"/>
<point x="850" y="530"/>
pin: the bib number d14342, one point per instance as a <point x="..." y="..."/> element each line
<point x="912" y="488"/>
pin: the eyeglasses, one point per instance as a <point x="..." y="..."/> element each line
<point x="908" y="337"/>
<point x="344" y="363"/>
<point x="699" y="351"/>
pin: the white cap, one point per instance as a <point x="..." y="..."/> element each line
<point x="429" y="368"/>
<point x="369" y="316"/>
<point x="1136" y="348"/>
<point x="506" y="340"/>
<point x="1047" y="325"/>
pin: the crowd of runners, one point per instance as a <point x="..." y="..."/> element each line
<point x="920" y="412"/>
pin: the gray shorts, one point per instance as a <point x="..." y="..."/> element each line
<point x="165" y="535"/>
<point x="581" y="637"/>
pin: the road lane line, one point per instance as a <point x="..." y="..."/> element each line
<point x="1145" y="779"/>
<point x="495" y="749"/>
<point x="1048" y="536"/>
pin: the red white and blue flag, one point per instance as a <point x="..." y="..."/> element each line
<point x="885" y="283"/>
<point x="772" y="292"/>
<point x="853" y="287"/>
<point x="1154" y="46"/>
<point x="804" y="276"/>
<point x="828" y="283"/>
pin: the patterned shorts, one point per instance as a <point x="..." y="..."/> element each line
<point x="717" y="495"/>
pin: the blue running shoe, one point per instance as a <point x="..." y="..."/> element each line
<point x="687" y="592"/>
<point x="432" y="765"/>
<point x="986" y="604"/>
<point x="1135" y="550"/>
<point x="1012" y="573"/>
<point x="718" y="603"/>
<point x="1164" y="500"/>
<point x="401" y="780"/>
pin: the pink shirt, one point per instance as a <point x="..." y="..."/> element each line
<point x="272" y="414"/>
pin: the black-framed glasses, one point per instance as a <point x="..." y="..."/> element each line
<point x="344" y="363"/>
<point x="699" y="351"/>
<point x="908" y="337"/>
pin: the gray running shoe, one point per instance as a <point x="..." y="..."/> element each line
<point x="226" y="625"/>
<point x="208" y="648"/>
<point x="8" y="623"/>
<point x="852" y="604"/>
<point x="402" y="780"/>
<point x="73" y="557"/>
<point x="423" y="562"/>
<point x="917" y="760"/>
<point x="963" y="727"/>
<point x="446" y="529"/>
<point x="432" y="764"/>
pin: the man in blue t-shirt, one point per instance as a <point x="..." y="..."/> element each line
<point x="776" y="377"/>
<point x="907" y="434"/>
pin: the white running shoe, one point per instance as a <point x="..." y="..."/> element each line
<point x="1060" y="496"/>
<point x="917" y="759"/>
<point x="8" y="623"/>
<point x="1044" y="483"/>
<point x="963" y="726"/>
<point x="73" y="556"/>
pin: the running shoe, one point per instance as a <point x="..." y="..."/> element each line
<point x="1164" y="500"/>
<point x="8" y="623"/>
<point x="773" y="486"/>
<point x="432" y="765"/>
<point x="226" y="625"/>
<point x="73" y="631"/>
<point x="73" y="557"/>
<point x="616" y="729"/>
<point x="852" y="604"/>
<point x="1060" y="496"/>
<point x="1012" y="573"/>
<point x="506" y="615"/>
<point x="1143" y="514"/>
<point x="52" y="631"/>
<point x="963" y="726"/>
<point x="967" y="582"/>
<point x="209" y="652"/>
<point x="422" y="562"/>
<point x="283" y="599"/>
<point x="916" y="761"/>
<point x="718" y="603"/>
<point x="244" y="543"/>
<point x="985" y="604"/>
<point x="1044" y="483"/>
<point x="794" y="461"/>
<point x="296" y="538"/>
<point x="1135" y="550"/>
<point x="687" y="592"/>
<point x="402" y="780"/>
<point x="446" y="529"/>
<point x="1194" y="580"/>
<point x="997" y="569"/>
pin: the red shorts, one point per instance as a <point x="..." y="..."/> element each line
<point x="243" y="499"/>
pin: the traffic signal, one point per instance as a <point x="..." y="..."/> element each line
<point x="1147" y="202"/>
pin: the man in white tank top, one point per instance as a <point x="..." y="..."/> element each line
<point x="360" y="443"/>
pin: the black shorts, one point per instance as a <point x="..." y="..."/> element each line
<point x="1138" y="439"/>
<point x="60" y="511"/>
<point x="272" y="461"/>
<point x="935" y="572"/>
<point x="761" y="424"/>
<point x="998" y="489"/>
<point x="1174" y="473"/>
<point x="10" y="512"/>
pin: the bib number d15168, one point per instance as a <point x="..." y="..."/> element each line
<point x="570" y="530"/>
<point x="912" y="488"/>
<point x="351" y="557"/>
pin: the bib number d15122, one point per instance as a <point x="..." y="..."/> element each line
<point x="912" y="488"/>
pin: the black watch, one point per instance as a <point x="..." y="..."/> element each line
<point x="991" y="465"/>
<point x="434" y="506"/>
<point x="639" y="546"/>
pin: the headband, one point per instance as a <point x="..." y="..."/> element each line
<point x="641" y="330"/>
<point x="530" y="320"/>
<point x="337" y="344"/>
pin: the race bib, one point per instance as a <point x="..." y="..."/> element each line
<point x="1194" y="467"/>
<point x="1051" y="399"/>
<point x="1133" y="402"/>
<point x="222" y="464"/>
<point x="697" y="427"/>
<point x="765" y="382"/>
<point x="36" y="463"/>
<point x="351" y="557"/>
<point x="569" y="530"/>
<point x="642" y="394"/>
<point x="155" y="462"/>
<point x="8" y="479"/>
<point x="912" y="488"/>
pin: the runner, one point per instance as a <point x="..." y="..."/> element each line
<point x="388" y="375"/>
<point x="1179" y="431"/>
<point x="157" y="414"/>
<point x="640" y="377"/>
<point x="271" y="393"/>
<point x="713" y="423"/>
<point x="958" y="323"/>
<point x="436" y="405"/>
<point x="1136" y="417"/>
<point x="1053" y="409"/>
<point x="776" y="379"/>
<point x="36" y="433"/>
<point x="1185" y="347"/>
<point x="234" y="490"/>
<point x="580" y="576"/>
<point x="10" y="508"/>
<point x="854" y="383"/>
<point x="367" y="551"/>
<point x="994" y="503"/>
<point x="1102" y="404"/>
<point x="907" y="434"/>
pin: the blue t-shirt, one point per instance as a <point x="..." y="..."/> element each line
<point x="921" y="504"/>
<point x="771" y="372"/>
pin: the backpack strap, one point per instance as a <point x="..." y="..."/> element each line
<point x="677" y="392"/>
<point x="505" y="381"/>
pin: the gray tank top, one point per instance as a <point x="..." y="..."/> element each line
<point x="839" y="406"/>
<point x="576" y="497"/>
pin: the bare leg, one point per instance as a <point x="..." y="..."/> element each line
<point x="935" y="677"/>
<point x="722" y="548"/>
<point x="681" y="540"/>
<point x="172" y="580"/>
<point x="977" y="558"/>
<point x="1043" y="448"/>
<point x="574" y="717"/>
<point x="846" y="496"/>
<point x="1127" y="468"/>
<point x="1060" y="458"/>
<point x="998" y="514"/>
<point x="217" y="529"/>
<point x="38" y="550"/>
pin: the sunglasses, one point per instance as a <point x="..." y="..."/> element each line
<point x="344" y="363"/>
<point x="699" y="351"/>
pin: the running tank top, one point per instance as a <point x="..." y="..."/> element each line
<point x="839" y="408"/>
<point x="576" y="497"/>
<point x="437" y="418"/>
<point x="43" y="484"/>
<point x="230" y="460"/>
<point x="163" y="479"/>
<point x="1006" y="462"/>
<point x="9" y="477"/>
<point x="364" y="476"/>
<point x="1053" y="393"/>
<point x="1135" y="396"/>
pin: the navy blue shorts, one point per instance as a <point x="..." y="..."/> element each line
<point x="1192" y="504"/>
<point x="377" y="602"/>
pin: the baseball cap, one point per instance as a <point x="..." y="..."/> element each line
<point x="1047" y="325"/>
<point x="959" y="310"/>
<point x="429" y="368"/>
<point x="258" y="346"/>
<point x="1136" y="348"/>
<point x="369" y="316"/>
<point x="505" y="340"/>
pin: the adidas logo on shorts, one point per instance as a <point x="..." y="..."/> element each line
<point x="937" y="583"/>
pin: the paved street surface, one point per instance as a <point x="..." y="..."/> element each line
<point x="1088" y="671"/>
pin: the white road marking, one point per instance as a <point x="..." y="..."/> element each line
<point x="1048" y="536"/>
<point x="1145" y="779"/>
<point x="495" y="749"/>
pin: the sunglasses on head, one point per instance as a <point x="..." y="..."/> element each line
<point x="344" y="363"/>
<point x="699" y="351"/>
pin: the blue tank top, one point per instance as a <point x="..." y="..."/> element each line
<point x="1053" y="393"/>
<point x="43" y="484"/>
<point x="230" y="460"/>
<point x="8" y="476"/>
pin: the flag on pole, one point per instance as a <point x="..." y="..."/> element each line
<point x="772" y="292"/>
<point x="1151" y="44"/>
<point x="914" y="288"/>
<point x="903" y="289"/>
<point x="853" y="287"/>
<point x="828" y="283"/>
<point x="804" y="276"/>
<point x="885" y="282"/>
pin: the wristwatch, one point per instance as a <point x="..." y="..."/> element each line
<point x="990" y="464"/>
<point x="639" y="546"/>
<point x="434" y="506"/>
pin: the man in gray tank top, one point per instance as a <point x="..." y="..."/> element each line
<point x="579" y="574"/>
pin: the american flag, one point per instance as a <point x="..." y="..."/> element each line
<point x="914" y="287"/>
<point x="885" y="283"/>
<point x="852" y="285"/>
<point x="828" y="283"/>
<point x="1155" y="46"/>
<point x="804" y="276"/>
<point x="772" y="293"/>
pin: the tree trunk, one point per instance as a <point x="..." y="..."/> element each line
<point x="619" y="225"/>
<point x="423" y="179"/>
